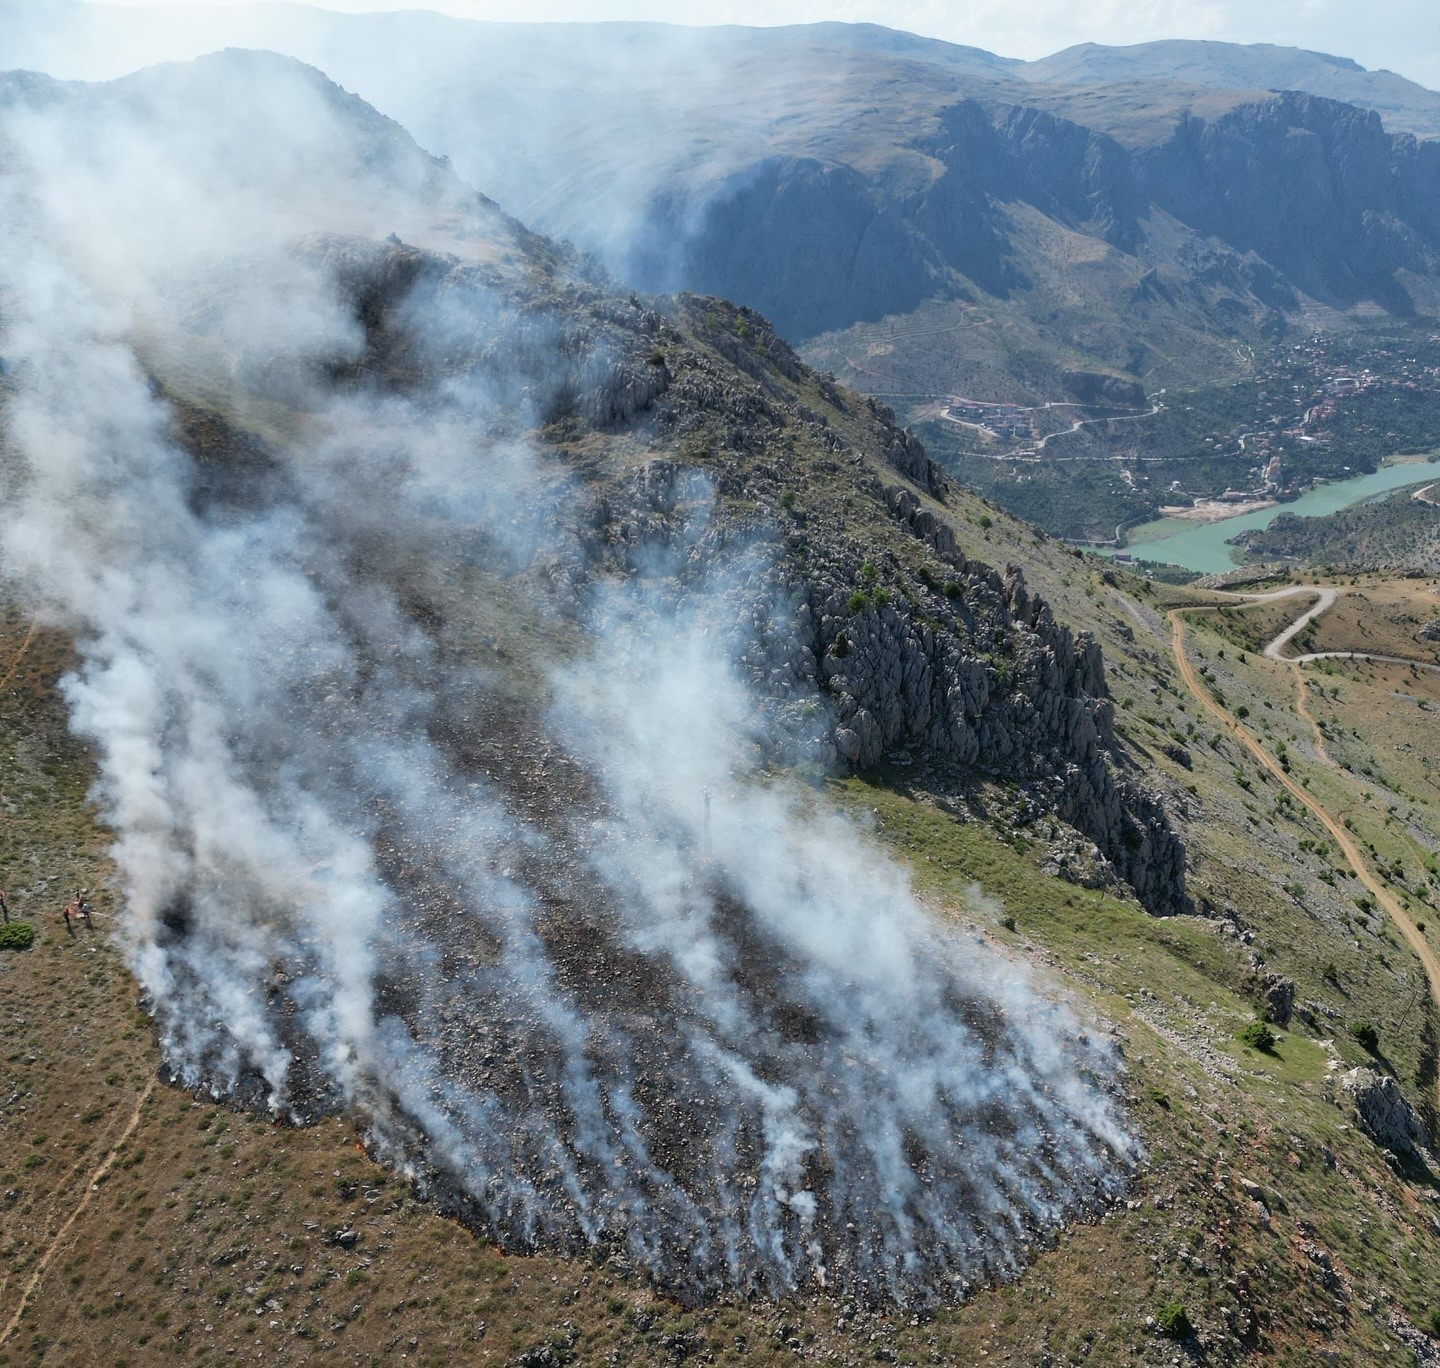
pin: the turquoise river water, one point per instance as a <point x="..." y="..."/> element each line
<point x="1202" y="547"/>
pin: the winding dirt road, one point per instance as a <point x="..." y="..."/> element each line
<point x="1347" y="843"/>
<point x="1325" y="599"/>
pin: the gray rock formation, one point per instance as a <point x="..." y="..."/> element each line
<point x="867" y="644"/>
<point x="1384" y="1113"/>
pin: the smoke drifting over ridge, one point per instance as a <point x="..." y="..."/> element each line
<point x="407" y="790"/>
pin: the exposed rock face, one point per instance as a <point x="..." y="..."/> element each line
<point x="1316" y="188"/>
<point x="1297" y="191"/>
<point x="1031" y="708"/>
<point x="909" y="647"/>
<point x="1279" y="995"/>
<point x="1386" y="1115"/>
<point x="975" y="676"/>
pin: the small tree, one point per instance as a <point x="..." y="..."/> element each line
<point x="1258" y="1036"/>
<point x="1174" y="1320"/>
<point x="1367" y="1035"/>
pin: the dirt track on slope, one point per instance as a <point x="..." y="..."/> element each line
<point x="1349" y="847"/>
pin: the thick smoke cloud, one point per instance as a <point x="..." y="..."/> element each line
<point x="399" y="829"/>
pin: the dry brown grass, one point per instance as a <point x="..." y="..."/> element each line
<point x="1378" y="615"/>
<point x="211" y="1235"/>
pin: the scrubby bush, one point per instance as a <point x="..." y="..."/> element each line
<point x="17" y="935"/>
<point x="1367" y="1036"/>
<point x="1174" y="1320"/>
<point x="1258" y="1036"/>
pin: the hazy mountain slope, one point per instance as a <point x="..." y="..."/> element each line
<point x="1404" y="106"/>
<point x="584" y="746"/>
<point x="424" y="601"/>
<point x="831" y="176"/>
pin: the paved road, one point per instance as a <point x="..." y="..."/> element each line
<point x="1324" y="600"/>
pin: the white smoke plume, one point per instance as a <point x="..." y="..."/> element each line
<point x="397" y="829"/>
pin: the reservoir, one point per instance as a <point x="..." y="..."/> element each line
<point x="1201" y="546"/>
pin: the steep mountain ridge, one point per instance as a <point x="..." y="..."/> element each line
<point x="456" y="579"/>
<point x="604" y="762"/>
<point x="863" y="175"/>
<point x="1405" y="106"/>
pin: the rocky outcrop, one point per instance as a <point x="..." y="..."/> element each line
<point x="1003" y="691"/>
<point x="896" y="640"/>
<point x="1292" y="192"/>
<point x="1384" y="1113"/>
<point x="971" y="675"/>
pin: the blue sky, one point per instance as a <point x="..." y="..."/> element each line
<point x="1403" y="35"/>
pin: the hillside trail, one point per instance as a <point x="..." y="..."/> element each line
<point x="91" y="1188"/>
<point x="1349" y="847"/>
<point x="19" y="656"/>
<point x="51" y="1249"/>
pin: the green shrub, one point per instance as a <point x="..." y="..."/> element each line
<point x="985" y="520"/>
<point x="16" y="935"/>
<point x="859" y="601"/>
<point x="1174" y="1320"/>
<point x="787" y="498"/>
<point x="1432" y="1322"/>
<point x="657" y="357"/>
<point x="1367" y="1036"/>
<point x="841" y="648"/>
<point x="1258" y="1036"/>
<point x="1160" y="1098"/>
<point x="1008" y="923"/>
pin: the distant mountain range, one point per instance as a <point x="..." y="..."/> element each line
<point x="1404" y="106"/>
<point x="1136" y="212"/>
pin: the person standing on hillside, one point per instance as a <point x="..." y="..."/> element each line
<point x="4" y="907"/>
<point x="67" y="914"/>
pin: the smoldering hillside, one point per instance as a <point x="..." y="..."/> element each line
<point x="457" y="632"/>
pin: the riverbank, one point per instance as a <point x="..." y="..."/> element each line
<point x="1204" y="548"/>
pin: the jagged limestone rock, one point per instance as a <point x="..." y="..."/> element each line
<point x="1383" y="1111"/>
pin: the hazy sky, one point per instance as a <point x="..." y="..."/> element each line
<point x="1403" y="35"/>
